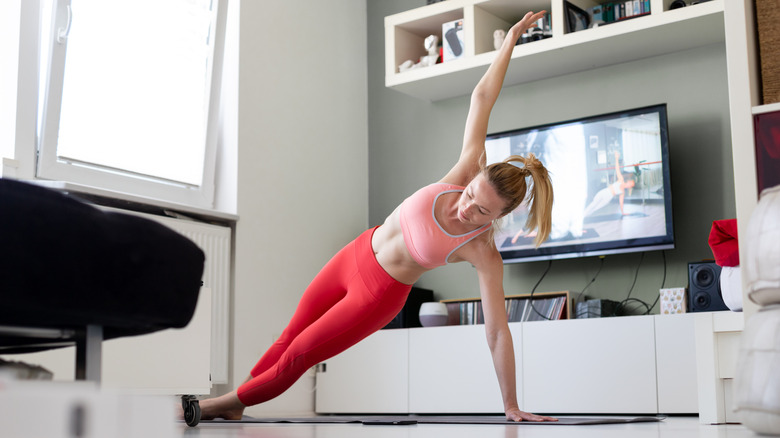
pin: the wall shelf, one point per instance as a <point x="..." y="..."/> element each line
<point x="768" y="108"/>
<point x="662" y="32"/>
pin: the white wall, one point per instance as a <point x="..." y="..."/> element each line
<point x="302" y="165"/>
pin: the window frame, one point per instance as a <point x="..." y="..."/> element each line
<point x="50" y="167"/>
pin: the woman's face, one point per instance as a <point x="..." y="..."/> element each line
<point x="479" y="203"/>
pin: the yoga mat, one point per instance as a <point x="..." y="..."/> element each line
<point x="439" y="419"/>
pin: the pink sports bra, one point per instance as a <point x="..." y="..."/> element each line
<point x="428" y="243"/>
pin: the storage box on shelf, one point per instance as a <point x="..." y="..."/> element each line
<point x="669" y="30"/>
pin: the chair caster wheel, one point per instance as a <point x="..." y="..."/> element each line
<point x="191" y="407"/>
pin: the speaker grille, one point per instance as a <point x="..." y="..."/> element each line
<point x="704" y="294"/>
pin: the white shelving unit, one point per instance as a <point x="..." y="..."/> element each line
<point x="744" y="96"/>
<point x="731" y="23"/>
<point x="663" y="31"/>
<point x="727" y="22"/>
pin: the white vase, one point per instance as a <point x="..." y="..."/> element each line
<point x="433" y="314"/>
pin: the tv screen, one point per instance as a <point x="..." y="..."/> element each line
<point x="611" y="185"/>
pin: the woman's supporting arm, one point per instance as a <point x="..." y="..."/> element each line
<point x="490" y="271"/>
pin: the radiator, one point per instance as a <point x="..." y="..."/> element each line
<point x="215" y="241"/>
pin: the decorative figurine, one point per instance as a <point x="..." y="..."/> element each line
<point x="431" y="44"/>
<point x="498" y="38"/>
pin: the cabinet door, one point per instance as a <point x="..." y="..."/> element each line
<point x="600" y="365"/>
<point x="370" y="377"/>
<point x="451" y="371"/>
<point x="675" y="349"/>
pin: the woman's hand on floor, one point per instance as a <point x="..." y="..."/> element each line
<point x="518" y="415"/>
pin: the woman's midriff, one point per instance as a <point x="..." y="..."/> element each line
<point x="392" y="255"/>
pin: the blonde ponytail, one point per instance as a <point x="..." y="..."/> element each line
<point x="510" y="183"/>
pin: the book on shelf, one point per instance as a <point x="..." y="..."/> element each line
<point x="610" y="12"/>
<point x="519" y="308"/>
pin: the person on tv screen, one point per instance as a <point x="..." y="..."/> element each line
<point x="363" y="287"/>
<point x="617" y="188"/>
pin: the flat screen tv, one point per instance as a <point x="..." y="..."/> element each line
<point x="611" y="185"/>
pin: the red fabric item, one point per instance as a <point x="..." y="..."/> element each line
<point x="724" y="243"/>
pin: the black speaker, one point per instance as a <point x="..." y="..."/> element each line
<point x="704" y="293"/>
<point x="409" y="316"/>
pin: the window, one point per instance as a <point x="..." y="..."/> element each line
<point x="9" y="49"/>
<point x="129" y="95"/>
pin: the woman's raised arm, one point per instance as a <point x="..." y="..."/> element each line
<point x="483" y="98"/>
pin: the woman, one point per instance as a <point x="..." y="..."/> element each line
<point x="605" y="196"/>
<point x="366" y="284"/>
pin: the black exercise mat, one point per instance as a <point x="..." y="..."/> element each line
<point x="439" y="419"/>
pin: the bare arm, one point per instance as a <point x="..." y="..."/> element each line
<point x="619" y="174"/>
<point x="490" y="270"/>
<point x="622" y="198"/>
<point x="483" y="98"/>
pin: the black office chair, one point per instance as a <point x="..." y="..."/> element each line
<point x="71" y="273"/>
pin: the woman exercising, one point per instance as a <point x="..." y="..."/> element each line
<point x="364" y="286"/>
<point x="605" y="195"/>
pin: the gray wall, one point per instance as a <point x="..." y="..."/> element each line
<point x="413" y="142"/>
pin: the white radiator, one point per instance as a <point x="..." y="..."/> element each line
<point x="215" y="241"/>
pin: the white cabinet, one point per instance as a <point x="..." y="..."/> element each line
<point x="372" y="376"/>
<point x="675" y="358"/>
<point x="451" y="370"/>
<point x="604" y="365"/>
<point x="623" y="365"/>
<point x="663" y="31"/>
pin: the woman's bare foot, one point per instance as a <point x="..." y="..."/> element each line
<point x="227" y="407"/>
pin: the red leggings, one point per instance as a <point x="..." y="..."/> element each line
<point x="351" y="298"/>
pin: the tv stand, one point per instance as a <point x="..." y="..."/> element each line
<point x="619" y="365"/>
